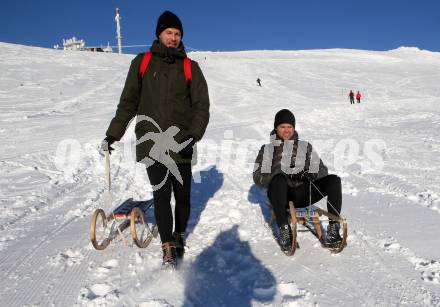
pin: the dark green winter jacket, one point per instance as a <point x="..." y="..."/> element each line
<point x="163" y="95"/>
<point x="289" y="158"/>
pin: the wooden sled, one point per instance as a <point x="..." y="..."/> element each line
<point x="310" y="217"/>
<point x="134" y="214"/>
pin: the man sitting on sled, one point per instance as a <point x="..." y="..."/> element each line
<point x="290" y="169"/>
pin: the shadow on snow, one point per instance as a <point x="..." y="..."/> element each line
<point x="258" y="196"/>
<point x="227" y="274"/>
<point x="211" y="181"/>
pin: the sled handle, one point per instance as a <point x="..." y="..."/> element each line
<point x="107" y="169"/>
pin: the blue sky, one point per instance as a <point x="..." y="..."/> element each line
<point x="230" y="25"/>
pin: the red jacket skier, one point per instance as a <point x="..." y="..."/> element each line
<point x="358" y="97"/>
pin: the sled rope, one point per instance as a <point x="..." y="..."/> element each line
<point x="328" y="202"/>
<point x="107" y="170"/>
<point x="123" y="239"/>
<point x="309" y="211"/>
<point x="109" y="185"/>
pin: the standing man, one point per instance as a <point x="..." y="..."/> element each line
<point x="285" y="167"/>
<point x="169" y="95"/>
<point x="351" y="95"/>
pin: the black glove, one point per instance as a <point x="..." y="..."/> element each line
<point x="187" y="151"/>
<point x="105" y="144"/>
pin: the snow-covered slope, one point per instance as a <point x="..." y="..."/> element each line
<point x="56" y="105"/>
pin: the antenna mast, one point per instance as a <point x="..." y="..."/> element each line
<point x="118" y="30"/>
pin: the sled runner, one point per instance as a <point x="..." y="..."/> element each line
<point x="131" y="213"/>
<point x="311" y="218"/>
<point x="138" y="215"/>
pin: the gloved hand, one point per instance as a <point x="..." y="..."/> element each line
<point x="307" y="177"/>
<point x="187" y="151"/>
<point x="106" y="145"/>
<point x="303" y="176"/>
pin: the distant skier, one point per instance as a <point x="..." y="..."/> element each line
<point x="358" y="97"/>
<point x="351" y="95"/>
<point x="285" y="167"/>
<point x="176" y="99"/>
<point x="259" y="82"/>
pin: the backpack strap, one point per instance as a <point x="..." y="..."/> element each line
<point x="187" y="69"/>
<point x="144" y="64"/>
<point x="186" y="66"/>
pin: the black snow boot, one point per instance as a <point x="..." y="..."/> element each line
<point x="169" y="255"/>
<point x="179" y="243"/>
<point x="285" y="238"/>
<point x="333" y="237"/>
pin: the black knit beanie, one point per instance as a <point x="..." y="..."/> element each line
<point x="284" y="116"/>
<point x="168" y="20"/>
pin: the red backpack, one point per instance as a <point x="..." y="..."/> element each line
<point x="186" y="66"/>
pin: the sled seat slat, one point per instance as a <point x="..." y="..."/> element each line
<point x="123" y="211"/>
<point x="305" y="212"/>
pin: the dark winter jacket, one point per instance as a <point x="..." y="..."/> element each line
<point x="164" y="96"/>
<point x="289" y="158"/>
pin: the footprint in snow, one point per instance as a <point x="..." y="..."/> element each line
<point x="67" y="258"/>
<point x="430" y="269"/>
<point x="294" y="296"/>
<point x="106" y="267"/>
<point x="98" y="295"/>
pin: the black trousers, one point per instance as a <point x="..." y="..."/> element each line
<point x="280" y="193"/>
<point x="162" y="199"/>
